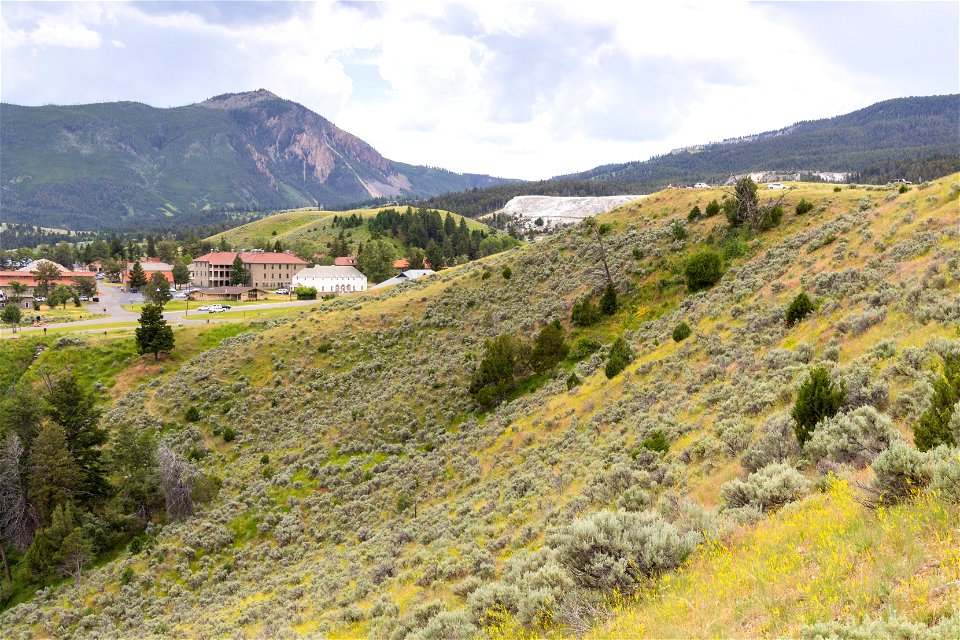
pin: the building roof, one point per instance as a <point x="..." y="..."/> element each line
<point x="30" y="280"/>
<point x="413" y="274"/>
<point x="153" y="265"/>
<point x="33" y="264"/>
<point x="329" y="272"/>
<point x="406" y="276"/>
<point x="225" y="258"/>
<point x="345" y="261"/>
<point x="402" y="263"/>
<point x="167" y="274"/>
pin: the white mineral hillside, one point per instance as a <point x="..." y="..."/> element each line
<point x="557" y="211"/>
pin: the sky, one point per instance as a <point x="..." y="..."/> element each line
<point x="514" y="89"/>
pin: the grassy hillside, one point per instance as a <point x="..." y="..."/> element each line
<point x="316" y="227"/>
<point x="366" y="496"/>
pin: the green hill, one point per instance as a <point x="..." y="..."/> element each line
<point x="317" y="229"/>
<point x="126" y="164"/>
<point x="365" y="493"/>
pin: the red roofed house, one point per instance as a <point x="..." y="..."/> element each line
<point x="26" y="277"/>
<point x="265" y="269"/>
<point x="149" y="267"/>
<point x="345" y="261"/>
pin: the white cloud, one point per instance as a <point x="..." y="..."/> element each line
<point x="515" y="89"/>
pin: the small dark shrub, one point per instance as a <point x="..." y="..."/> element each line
<point x="837" y="189"/>
<point x="800" y="307"/>
<point x="229" y="435"/>
<point x="608" y="301"/>
<point x="712" y="209"/>
<point x="934" y="428"/>
<point x="803" y="207"/>
<point x="584" y="313"/>
<point x="903" y="188"/>
<point x="703" y="270"/>
<point x="192" y="415"/>
<point x="573" y="380"/>
<point x="485" y="275"/>
<point x="819" y="397"/>
<point x="678" y="231"/>
<point x="620" y="356"/>
<point x="694" y="214"/>
<point x="656" y="441"/>
<point x="507" y="273"/>
<point x="681" y="332"/>
<point x="583" y="349"/>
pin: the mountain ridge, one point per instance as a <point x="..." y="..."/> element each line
<point x="90" y="166"/>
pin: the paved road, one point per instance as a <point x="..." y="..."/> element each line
<point x="112" y="300"/>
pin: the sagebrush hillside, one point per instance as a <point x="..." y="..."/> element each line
<point x="365" y="495"/>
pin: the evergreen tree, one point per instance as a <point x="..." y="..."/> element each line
<point x="933" y="428"/>
<point x="584" y="313"/>
<point x="158" y="289"/>
<point x="549" y="348"/>
<point x="133" y="463"/>
<point x="435" y="257"/>
<point x="416" y="256"/>
<point x="703" y="270"/>
<point x="238" y="274"/>
<point x="74" y="409"/>
<point x="53" y="476"/>
<point x="46" y="274"/>
<point x="819" y="397"/>
<point x="277" y="247"/>
<point x="376" y="260"/>
<point x="712" y="209"/>
<point x="138" y="277"/>
<point x="61" y="548"/>
<point x="608" y="301"/>
<point x="800" y="307"/>
<point x="151" y="246"/>
<point x="153" y="334"/>
<point x="21" y="413"/>
<point x="181" y="275"/>
<point x="495" y="378"/>
<point x="12" y="316"/>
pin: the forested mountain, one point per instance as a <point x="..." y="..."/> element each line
<point x="914" y="138"/>
<point x="104" y="165"/>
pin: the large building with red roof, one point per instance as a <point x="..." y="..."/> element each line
<point x="265" y="269"/>
<point x="27" y="277"/>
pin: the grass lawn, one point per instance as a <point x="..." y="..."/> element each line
<point x="181" y="305"/>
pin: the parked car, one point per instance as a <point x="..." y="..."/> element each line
<point x="777" y="185"/>
<point x="205" y="307"/>
<point x="84" y="299"/>
<point x="225" y="306"/>
<point x="283" y="292"/>
<point x="134" y="290"/>
<point x="216" y="308"/>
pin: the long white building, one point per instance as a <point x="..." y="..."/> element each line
<point x="331" y="279"/>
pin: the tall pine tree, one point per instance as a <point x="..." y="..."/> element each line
<point x="74" y="409"/>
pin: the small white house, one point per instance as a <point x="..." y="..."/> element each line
<point x="331" y="279"/>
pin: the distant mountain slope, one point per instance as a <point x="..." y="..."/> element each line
<point x="889" y="130"/>
<point x="917" y="138"/>
<point x="93" y="166"/>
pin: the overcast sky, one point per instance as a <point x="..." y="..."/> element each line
<point x="526" y="90"/>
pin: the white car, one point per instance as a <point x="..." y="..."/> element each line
<point x="216" y="308"/>
<point x="205" y="307"/>
<point x="283" y="292"/>
<point x="84" y="299"/>
<point x="777" y="185"/>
